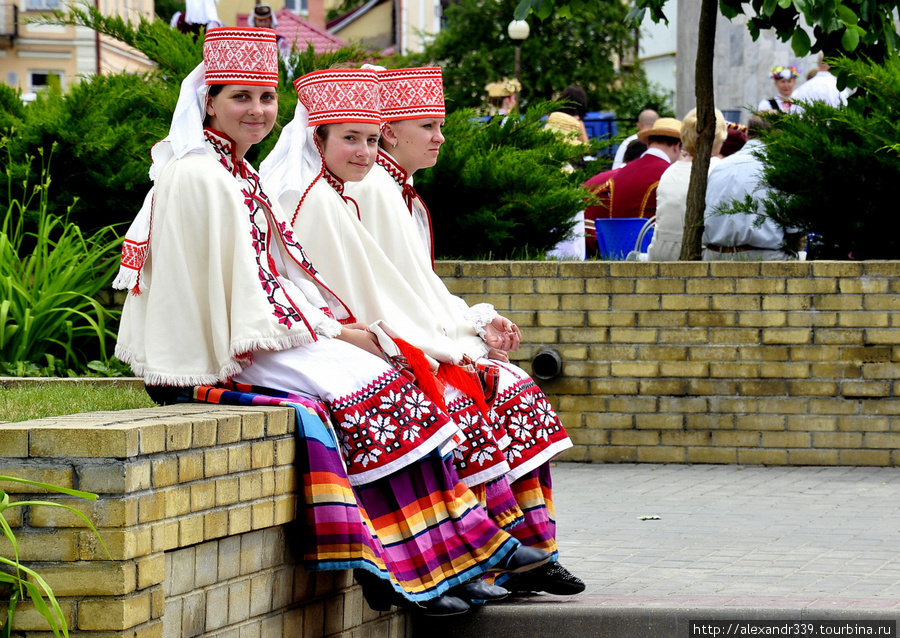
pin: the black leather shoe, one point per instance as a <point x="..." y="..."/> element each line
<point x="522" y="560"/>
<point x="478" y="591"/>
<point x="552" y="578"/>
<point x="379" y="594"/>
<point x="441" y="606"/>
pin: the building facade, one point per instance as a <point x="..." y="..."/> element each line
<point x="33" y="56"/>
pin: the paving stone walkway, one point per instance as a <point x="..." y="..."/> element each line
<point x="660" y="546"/>
<point x="776" y="535"/>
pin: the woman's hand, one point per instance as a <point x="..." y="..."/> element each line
<point x="361" y="338"/>
<point x="497" y="355"/>
<point x="502" y="334"/>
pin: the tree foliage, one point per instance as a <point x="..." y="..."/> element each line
<point x="104" y="126"/>
<point x="834" y="170"/>
<point x="498" y="189"/>
<point x="855" y="28"/>
<point x="474" y="49"/>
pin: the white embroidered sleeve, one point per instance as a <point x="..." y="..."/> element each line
<point x="481" y="314"/>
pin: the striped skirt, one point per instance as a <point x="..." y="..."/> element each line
<point x="418" y="528"/>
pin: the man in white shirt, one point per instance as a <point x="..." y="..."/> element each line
<point x="821" y="88"/>
<point x="646" y="120"/>
<point x="739" y="236"/>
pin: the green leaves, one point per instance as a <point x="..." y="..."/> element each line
<point x="26" y="581"/>
<point x="808" y="161"/>
<point x="50" y="275"/>
<point x="800" y="43"/>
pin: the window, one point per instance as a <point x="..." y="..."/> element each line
<point x="297" y="6"/>
<point x="40" y="80"/>
<point x="42" y="5"/>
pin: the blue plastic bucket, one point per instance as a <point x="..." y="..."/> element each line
<point x="616" y="237"/>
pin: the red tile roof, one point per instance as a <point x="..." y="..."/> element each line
<point x="295" y="29"/>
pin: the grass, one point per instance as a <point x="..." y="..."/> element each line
<point x="26" y="402"/>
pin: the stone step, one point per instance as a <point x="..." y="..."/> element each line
<point x="593" y="616"/>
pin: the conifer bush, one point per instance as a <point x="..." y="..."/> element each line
<point x="499" y="189"/>
<point x="834" y="170"/>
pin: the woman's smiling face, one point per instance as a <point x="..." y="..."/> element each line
<point x="244" y="113"/>
<point x="350" y="148"/>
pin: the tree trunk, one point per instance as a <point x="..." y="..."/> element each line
<point x="691" y="248"/>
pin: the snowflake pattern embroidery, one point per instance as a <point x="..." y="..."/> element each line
<point x="382" y="429"/>
<point x="520" y="426"/>
<point x="376" y="430"/>
<point x="483" y="454"/>
<point x="370" y="456"/>
<point x="417" y="404"/>
<point x="412" y="432"/>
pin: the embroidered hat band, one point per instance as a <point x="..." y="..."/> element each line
<point x="241" y="55"/>
<point x="340" y="95"/>
<point x="411" y="93"/>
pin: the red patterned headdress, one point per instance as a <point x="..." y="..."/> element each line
<point x="241" y="55"/>
<point x="408" y="94"/>
<point x="340" y="95"/>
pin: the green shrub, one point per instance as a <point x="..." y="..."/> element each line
<point x="498" y="189"/>
<point x="834" y="170"/>
<point x="50" y="275"/>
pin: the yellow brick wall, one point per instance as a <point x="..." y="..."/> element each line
<point x="196" y="505"/>
<point x="785" y="363"/>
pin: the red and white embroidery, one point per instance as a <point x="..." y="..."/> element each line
<point x="134" y="254"/>
<point x="529" y="420"/>
<point x="482" y="453"/>
<point x="384" y="422"/>
<point x="340" y="95"/>
<point x="411" y="93"/>
<point x="241" y="55"/>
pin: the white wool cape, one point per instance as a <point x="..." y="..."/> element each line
<point x="359" y="273"/>
<point x="204" y="307"/>
<point x="383" y="213"/>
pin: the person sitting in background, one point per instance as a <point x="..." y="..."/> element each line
<point x="503" y="96"/>
<point x="741" y="236"/>
<point x="671" y="195"/>
<point x="634" y="151"/>
<point x="631" y="190"/>
<point x="785" y="77"/>
<point x="646" y="119"/>
<point x="570" y="117"/>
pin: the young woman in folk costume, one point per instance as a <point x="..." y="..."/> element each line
<point x="398" y="221"/>
<point x="299" y="169"/>
<point x="222" y="293"/>
<point x="331" y="142"/>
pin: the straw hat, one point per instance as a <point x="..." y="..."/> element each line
<point x="663" y="127"/>
<point x="504" y="88"/>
